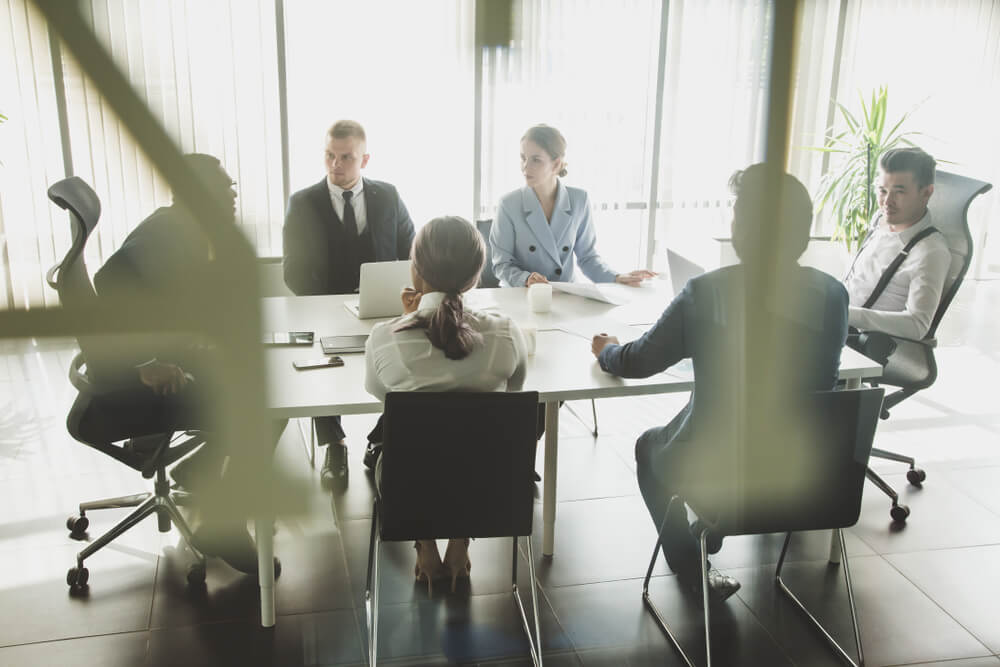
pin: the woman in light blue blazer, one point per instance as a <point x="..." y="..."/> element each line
<point x="540" y="227"/>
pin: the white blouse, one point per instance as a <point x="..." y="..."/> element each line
<point x="407" y="361"/>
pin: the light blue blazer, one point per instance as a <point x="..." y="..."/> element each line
<point x="522" y="241"/>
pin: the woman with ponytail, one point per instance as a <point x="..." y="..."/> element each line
<point x="439" y="345"/>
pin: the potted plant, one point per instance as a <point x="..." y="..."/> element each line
<point x="847" y="186"/>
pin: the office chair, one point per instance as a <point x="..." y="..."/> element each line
<point x="148" y="454"/>
<point x="488" y="279"/>
<point x="456" y="465"/>
<point x="910" y="364"/>
<point x="830" y="443"/>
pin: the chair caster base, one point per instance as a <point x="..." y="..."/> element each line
<point x="899" y="513"/>
<point x="77" y="526"/>
<point x="77" y="577"/>
<point x="916" y="476"/>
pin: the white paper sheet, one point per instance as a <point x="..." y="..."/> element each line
<point x="607" y="294"/>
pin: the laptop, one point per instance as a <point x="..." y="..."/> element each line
<point x="379" y="288"/>
<point x="682" y="270"/>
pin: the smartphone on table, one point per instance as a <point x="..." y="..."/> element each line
<point x="319" y="362"/>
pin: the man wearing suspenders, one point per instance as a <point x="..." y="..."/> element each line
<point x="899" y="273"/>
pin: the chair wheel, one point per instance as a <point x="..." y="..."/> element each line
<point x="899" y="513"/>
<point x="77" y="525"/>
<point x="196" y="574"/>
<point x="77" y="577"/>
<point x="916" y="476"/>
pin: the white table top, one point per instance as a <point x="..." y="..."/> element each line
<point x="561" y="369"/>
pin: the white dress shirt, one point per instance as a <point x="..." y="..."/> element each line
<point x="407" y="361"/>
<point x="357" y="202"/>
<point x="907" y="305"/>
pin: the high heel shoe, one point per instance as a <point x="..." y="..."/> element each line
<point x="428" y="566"/>
<point x="456" y="560"/>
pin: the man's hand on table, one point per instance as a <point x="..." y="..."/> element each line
<point x="599" y="341"/>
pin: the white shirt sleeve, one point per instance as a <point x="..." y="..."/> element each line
<point x="929" y="272"/>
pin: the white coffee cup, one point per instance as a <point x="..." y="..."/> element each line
<point x="540" y="297"/>
<point x="530" y="334"/>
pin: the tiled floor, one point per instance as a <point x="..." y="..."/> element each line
<point x="927" y="594"/>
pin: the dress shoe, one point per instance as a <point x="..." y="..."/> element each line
<point x="721" y="586"/>
<point x="334" y="470"/>
<point x="372" y="452"/>
<point x="232" y="543"/>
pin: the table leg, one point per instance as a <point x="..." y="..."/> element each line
<point x="549" y="478"/>
<point x="264" y="532"/>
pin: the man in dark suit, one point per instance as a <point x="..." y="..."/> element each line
<point x="331" y="229"/>
<point x="160" y="383"/>
<point x="734" y="323"/>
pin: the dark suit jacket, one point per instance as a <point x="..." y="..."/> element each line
<point x="166" y="255"/>
<point x="705" y="323"/>
<point x="309" y="250"/>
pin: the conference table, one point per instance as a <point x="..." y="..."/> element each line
<point x="562" y="368"/>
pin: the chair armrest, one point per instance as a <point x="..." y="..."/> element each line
<point x="78" y="378"/>
<point x="50" y="276"/>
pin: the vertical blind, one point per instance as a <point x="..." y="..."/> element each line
<point x="208" y="70"/>
<point x="408" y="80"/>
<point x="590" y="72"/>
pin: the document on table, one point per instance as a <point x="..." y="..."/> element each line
<point x="605" y="293"/>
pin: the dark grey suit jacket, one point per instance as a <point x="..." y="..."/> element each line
<point x="312" y="252"/>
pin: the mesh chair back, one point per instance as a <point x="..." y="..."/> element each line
<point x="486" y="277"/>
<point x="949" y="207"/>
<point x="69" y="277"/>
<point x="809" y="476"/>
<point x="457" y="464"/>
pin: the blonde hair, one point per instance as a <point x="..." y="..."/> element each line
<point x="550" y="140"/>
<point x="347" y="128"/>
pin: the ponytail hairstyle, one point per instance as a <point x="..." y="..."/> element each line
<point x="448" y="254"/>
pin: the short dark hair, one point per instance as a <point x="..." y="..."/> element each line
<point x="912" y="159"/>
<point x="209" y="171"/>
<point x="794" y="212"/>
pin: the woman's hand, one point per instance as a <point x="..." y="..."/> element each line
<point x="634" y="278"/>
<point x="411" y="299"/>
<point x="598" y="342"/>
<point x="535" y="278"/>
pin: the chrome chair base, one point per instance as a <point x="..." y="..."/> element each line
<point x="661" y="622"/>
<point x="373" y="580"/>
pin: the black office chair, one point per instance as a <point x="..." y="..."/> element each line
<point x="149" y="454"/>
<point x="910" y="364"/>
<point x="456" y="465"/>
<point x="488" y="279"/>
<point x="829" y="444"/>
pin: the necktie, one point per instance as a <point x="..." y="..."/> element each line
<point x="350" y="223"/>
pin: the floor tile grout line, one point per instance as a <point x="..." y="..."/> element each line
<point x="937" y="604"/>
<point x="75" y="638"/>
